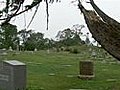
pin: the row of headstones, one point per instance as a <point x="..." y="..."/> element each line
<point x="10" y="49"/>
<point x="92" y="51"/>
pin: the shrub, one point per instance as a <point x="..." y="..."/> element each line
<point x="75" y="51"/>
<point x="67" y="49"/>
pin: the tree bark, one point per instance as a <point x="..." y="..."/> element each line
<point x="104" y="29"/>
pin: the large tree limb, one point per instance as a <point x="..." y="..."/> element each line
<point x="105" y="33"/>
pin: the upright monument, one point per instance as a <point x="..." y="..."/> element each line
<point x="12" y="75"/>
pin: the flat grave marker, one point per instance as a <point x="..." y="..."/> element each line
<point x="51" y="74"/>
<point x="111" y="80"/>
<point x="77" y="89"/>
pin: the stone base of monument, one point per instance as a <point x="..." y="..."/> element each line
<point x="86" y="77"/>
<point x="86" y="70"/>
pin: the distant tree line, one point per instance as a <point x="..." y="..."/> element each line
<point x="29" y="40"/>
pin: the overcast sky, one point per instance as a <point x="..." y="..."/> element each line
<point x="63" y="15"/>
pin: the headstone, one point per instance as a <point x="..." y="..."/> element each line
<point x="48" y="51"/>
<point x="17" y="48"/>
<point x="86" y="69"/>
<point x="90" y="49"/>
<point x="10" y="48"/>
<point x="35" y="49"/>
<point x="93" y="54"/>
<point x="12" y="75"/>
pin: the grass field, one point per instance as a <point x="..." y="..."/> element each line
<point x="59" y="70"/>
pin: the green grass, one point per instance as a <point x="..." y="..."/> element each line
<point x="41" y="64"/>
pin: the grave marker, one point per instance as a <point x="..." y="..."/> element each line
<point x="12" y="75"/>
<point x="10" y="48"/>
<point x="86" y="70"/>
<point x="77" y="89"/>
<point x="51" y="74"/>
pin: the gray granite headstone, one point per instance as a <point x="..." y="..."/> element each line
<point x="12" y="75"/>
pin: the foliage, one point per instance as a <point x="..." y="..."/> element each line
<point x="35" y="40"/>
<point x="70" y="37"/>
<point x="8" y="36"/>
<point x="24" y="39"/>
<point x="24" y="34"/>
<point x="29" y="40"/>
<point x="74" y="50"/>
<point x="12" y="8"/>
<point x="104" y="29"/>
<point x="65" y="34"/>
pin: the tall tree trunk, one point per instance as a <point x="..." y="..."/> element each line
<point x="104" y="31"/>
<point x="105" y="17"/>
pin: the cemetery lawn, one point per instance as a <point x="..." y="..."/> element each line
<point x="59" y="71"/>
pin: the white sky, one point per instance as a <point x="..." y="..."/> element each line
<point x="64" y="15"/>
